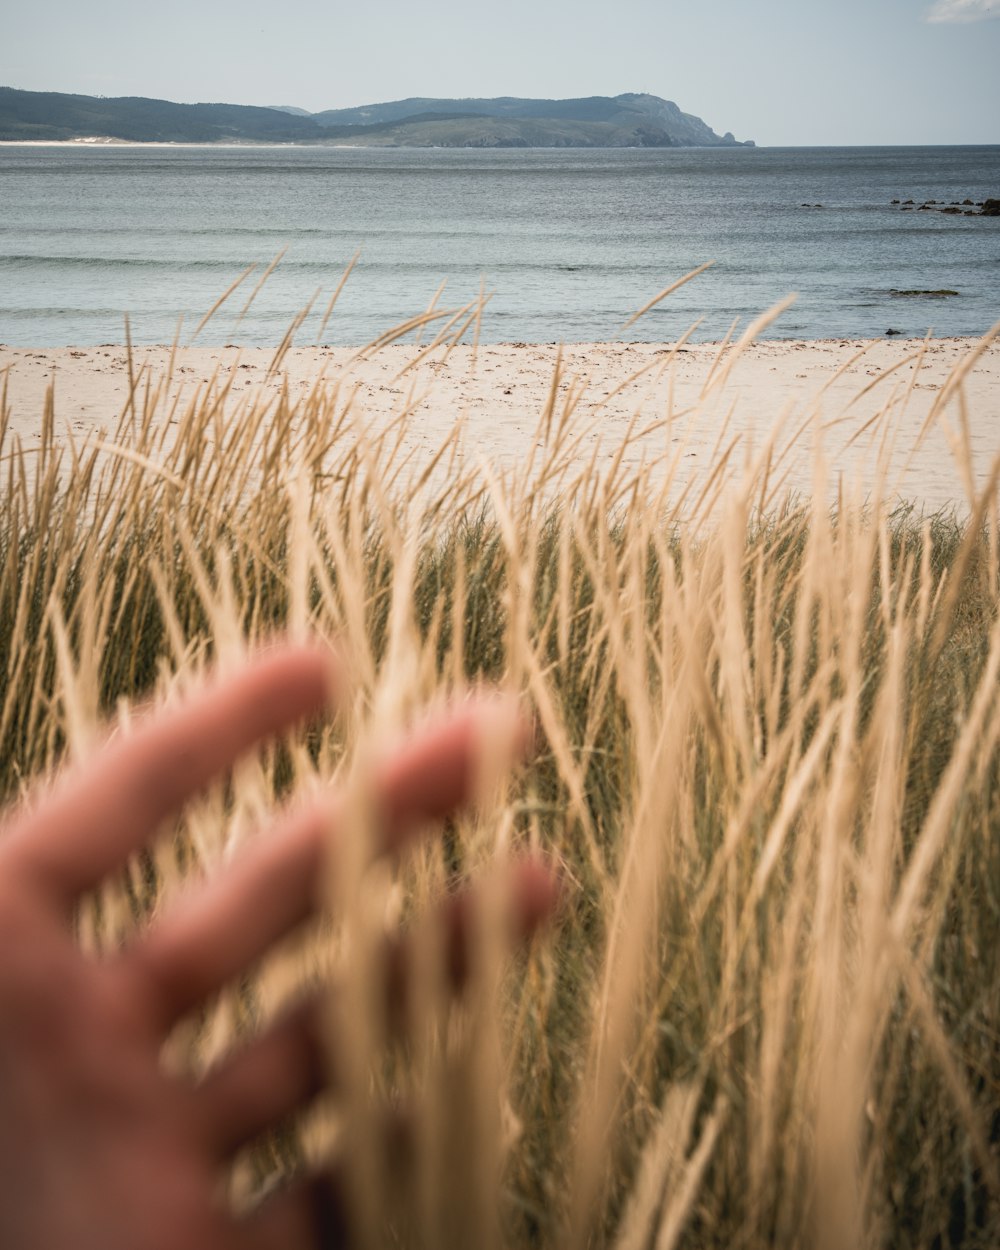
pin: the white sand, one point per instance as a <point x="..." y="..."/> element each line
<point x="815" y="388"/>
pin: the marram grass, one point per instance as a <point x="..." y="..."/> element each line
<point x="768" y="1012"/>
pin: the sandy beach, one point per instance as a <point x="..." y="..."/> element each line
<point x="901" y="403"/>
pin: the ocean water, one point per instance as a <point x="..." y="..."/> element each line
<point x="569" y="242"/>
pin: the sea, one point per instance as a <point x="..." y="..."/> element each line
<point x="567" y="244"/>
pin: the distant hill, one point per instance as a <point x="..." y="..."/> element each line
<point x="628" y="120"/>
<point x="593" y="121"/>
<point x="52" y="115"/>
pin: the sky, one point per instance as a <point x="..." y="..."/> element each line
<point x="780" y="72"/>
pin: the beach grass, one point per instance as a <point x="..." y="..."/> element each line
<point x="768" y="1011"/>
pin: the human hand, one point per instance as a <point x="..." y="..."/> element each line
<point x="100" y="1147"/>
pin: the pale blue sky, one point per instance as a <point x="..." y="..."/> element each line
<point x="777" y="71"/>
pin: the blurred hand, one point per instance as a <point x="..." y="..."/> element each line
<point x="101" y="1148"/>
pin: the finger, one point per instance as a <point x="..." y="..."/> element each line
<point x="319" y="1211"/>
<point x="288" y="1065"/>
<point x="530" y="895"/>
<point x="229" y="924"/>
<point x="311" y="1214"/>
<point x="97" y="816"/>
<point x="262" y="1084"/>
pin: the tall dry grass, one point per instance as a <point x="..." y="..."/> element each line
<point x="768" y="1014"/>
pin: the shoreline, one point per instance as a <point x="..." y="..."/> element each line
<point x="849" y="396"/>
<point x="108" y="141"/>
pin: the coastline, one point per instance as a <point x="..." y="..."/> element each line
<point x="108" y="141"/>
<point x="855" y="398"/>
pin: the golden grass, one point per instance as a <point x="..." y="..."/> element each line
<point x="769" y="1012"/>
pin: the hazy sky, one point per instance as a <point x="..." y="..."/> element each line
<point x="777" y="71"/>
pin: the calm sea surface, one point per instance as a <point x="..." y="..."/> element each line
<point x="570" y="242"/>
